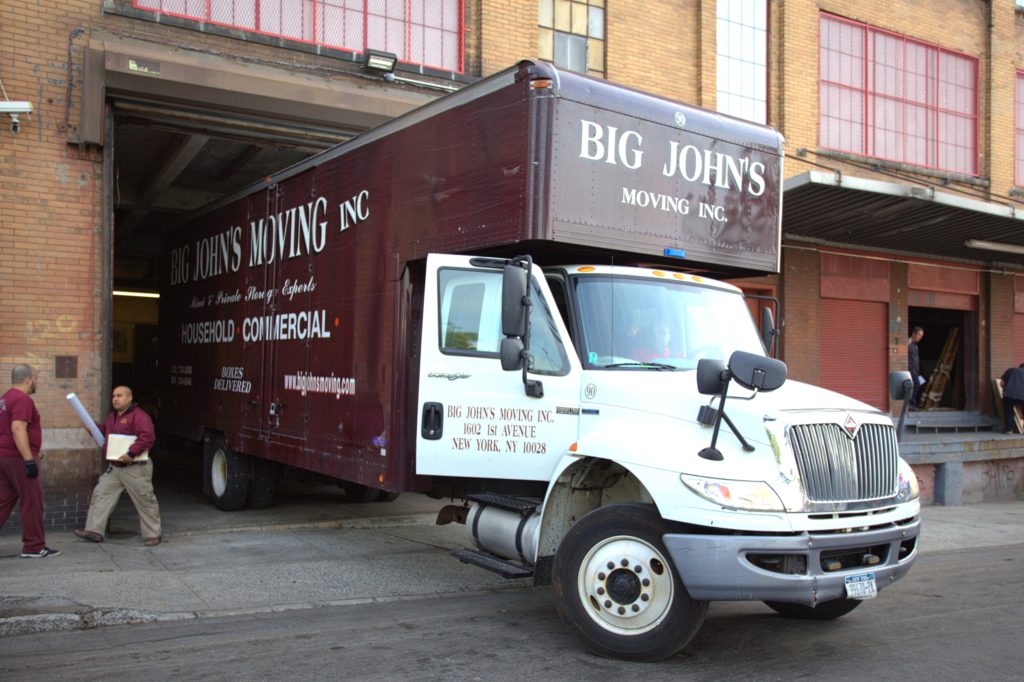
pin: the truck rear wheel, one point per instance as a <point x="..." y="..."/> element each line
<point x="226" y="475"/>
<point x="829" y="610"/>
<point x="617" y="590"/>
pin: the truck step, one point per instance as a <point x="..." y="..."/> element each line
<point x="513" y="504"/>
<point x="503" y="567"/>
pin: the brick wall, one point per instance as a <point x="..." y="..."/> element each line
<point x="51" y="213"/>
<point x="899" y="325"/>
<point x="802" y="339"/>
<point x="1000" y="321"/>
<point x="957" y="25"/>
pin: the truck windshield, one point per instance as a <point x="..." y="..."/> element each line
<point x="640" y="323"/>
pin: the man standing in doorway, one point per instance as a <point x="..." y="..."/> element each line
<point x="914" y="363"/>
<point x="21" y="436"/>
<point x="131" y="472"/>
<point x="1012" y="383"/>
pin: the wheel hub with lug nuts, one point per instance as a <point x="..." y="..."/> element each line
<point x="627" y="583"/>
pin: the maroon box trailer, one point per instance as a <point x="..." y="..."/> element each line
<point x="374" y="315"/>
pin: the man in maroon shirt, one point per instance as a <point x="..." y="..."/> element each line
<point x="131" y="471"/>
<point x="20" y="439"/>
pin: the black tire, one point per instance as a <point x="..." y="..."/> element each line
<point x="829" y="610"/>
<point x="226" y="475"/>
<point x="266" y="480"/>
<point x="606" y="608"/>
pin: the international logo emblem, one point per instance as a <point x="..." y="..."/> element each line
<point x="851" y="426"/>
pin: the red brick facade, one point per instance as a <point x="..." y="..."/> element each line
<point x="54" y="250"/>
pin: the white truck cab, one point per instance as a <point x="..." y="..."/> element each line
<point x="681" y="466"/>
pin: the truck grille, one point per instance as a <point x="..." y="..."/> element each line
<point x="837" y="468"/>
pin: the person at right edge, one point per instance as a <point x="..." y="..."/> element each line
<point x="1012" y="383"/>
<point x="125" y="473"/>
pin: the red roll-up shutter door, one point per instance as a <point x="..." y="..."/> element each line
<point x="854" y="358"/>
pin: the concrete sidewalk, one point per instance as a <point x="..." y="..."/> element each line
<point x="310" y="550"/>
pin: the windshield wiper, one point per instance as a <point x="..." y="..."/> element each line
<point x="646" y="365"/>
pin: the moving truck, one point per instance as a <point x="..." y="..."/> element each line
<point x="505" y="297"/>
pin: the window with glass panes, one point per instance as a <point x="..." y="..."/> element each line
<point x="426" y="33"/>
<point x="891" y="97"/>
<point x="741" y="55"/>
<point x="572" y="34"/>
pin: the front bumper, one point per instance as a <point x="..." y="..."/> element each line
<point x="733" y="567"/>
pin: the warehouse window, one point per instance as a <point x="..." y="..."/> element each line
<point x="890" y="97"/>
<point x="742" y="58"/>
<point x="1018" y="136"/>
<point x="572" y="34"/>
<point x="422" y="32"/>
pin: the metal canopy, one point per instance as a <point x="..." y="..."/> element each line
<point x="839" y="209"/>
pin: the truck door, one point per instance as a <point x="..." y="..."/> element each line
<point x="259" y="305"/>
<point x="475" y="420"/>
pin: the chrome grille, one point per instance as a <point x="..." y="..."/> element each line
<point x="836" y="468"/>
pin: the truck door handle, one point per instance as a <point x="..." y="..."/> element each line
<point x="433" y="421"/>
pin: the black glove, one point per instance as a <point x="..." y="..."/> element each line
<point x="31" y="469"/>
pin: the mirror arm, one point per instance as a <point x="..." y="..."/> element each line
<point x="711" y="452"/>
<point x="747" y="447"/>
<point x="534" y="388"/>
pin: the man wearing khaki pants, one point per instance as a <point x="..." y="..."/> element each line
<point x="131" y="471"/>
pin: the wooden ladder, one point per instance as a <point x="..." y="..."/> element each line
<point x="935" y="387"/>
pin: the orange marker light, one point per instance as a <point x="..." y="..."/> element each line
<point x="572" y="448"/>
<point x="658" y="273"/>
<point x="586" y="268"/>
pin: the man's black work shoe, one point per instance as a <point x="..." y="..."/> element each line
<point x="41" y="554"/>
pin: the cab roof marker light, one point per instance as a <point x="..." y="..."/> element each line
<point x="658" y="273"/>
<point x="674" y="253"/>
<point x="679" y="275"/>
<point x="586" y="268"/>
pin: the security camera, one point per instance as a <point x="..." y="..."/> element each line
<point x="15" y="124"/>
<point x="9" y="107"/>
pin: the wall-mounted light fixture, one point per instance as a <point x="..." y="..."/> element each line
<point x="12" y="109"/>
<point x="377" y="60"/>
<point x="136" y="294"/>
<point x="8" y="107"/>
<point x="994" y="246"/>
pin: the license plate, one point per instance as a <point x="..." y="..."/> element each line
<point x="861" y="586"/>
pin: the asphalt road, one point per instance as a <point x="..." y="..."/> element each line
<point x="958" y="615"/>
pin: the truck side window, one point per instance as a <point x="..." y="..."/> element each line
<point x="470" y="308"/>
<point x="470" y="324"/>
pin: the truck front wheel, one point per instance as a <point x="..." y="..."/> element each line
<point x="829" y="610"/>
<point x="226" y="475"/>
<point x="617" y="590"/>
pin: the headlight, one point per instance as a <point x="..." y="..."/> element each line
<point x="907" y="487"/>
<point x="753" y="495"/>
